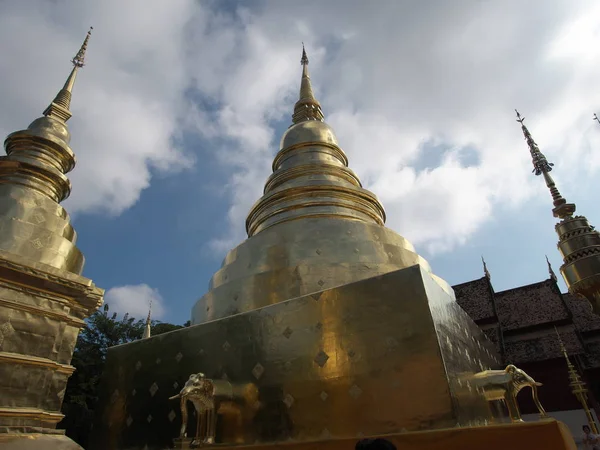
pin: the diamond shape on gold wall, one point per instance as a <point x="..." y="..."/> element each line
<point x="287" y="332"/>
<point x="258" y="371"/>
<point x="153" y="389"/>
<point x="355" y="391"/>
<point x="321" y="358"/>
<point x="288" y="400"/>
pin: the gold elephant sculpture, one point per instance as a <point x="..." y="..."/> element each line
<point x="504" y="385"/>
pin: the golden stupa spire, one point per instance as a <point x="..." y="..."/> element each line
<point x="307" y="107"/>
<point x="59" y="108"/>
<point x="147" y="327"/>
<point x="578" y="241"/>
<point x="541" y="166"/>
<point x="578" y="386"/>
<point x="485" y="269"/>
<point x="40" y="157"/>
<point x="551" y="270"/>
<point x="596" y="118"/>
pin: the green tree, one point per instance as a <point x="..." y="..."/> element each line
<point x="101" y="332"/>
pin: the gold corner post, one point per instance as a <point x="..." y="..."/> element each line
<point x="148" y="326"/>
<point x="578" y="241"/>
<point x="578" y="386"/>
<point x="44" y="300"/>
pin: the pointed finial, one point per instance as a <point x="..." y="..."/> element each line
<point x="541" y="166"/>
<point x="596" y="118"/>
<point x="550" y="270"/>
<point x="148" y="325"/>
<point x="540" y="163"/>
<point x="59" y="108"/>
<point x="307" y="107"/>
<point x="79" y="58"/>
<point x="304" y="60"/>
<point x="485" y="269"/>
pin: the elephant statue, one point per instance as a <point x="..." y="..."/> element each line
<point x="200" y="391"/>
<point x="504" y="385"/>
<point x="209" y="397"/>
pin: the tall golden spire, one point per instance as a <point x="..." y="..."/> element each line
<point x="307" y="107"/>
<point x="59" y="108"/>
<point x="39" y="259"/>
<point x="541" y="166"/>
<point x="551" y="270"/>
<point x="578" y="241"/>
<point x="40" y="157"/>
<point x="578" y="386"/>
<point x="485" y="269"/>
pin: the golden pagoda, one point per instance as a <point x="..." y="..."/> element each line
<point x="315" y="227"/>
<point x="324" y="325"/>
<point x="578" y="241"/>
<point x="43" y="297"/>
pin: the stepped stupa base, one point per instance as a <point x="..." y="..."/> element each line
<point x="547" y="435"/>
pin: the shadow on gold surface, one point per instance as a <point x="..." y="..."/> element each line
<point x="546" y="435"/>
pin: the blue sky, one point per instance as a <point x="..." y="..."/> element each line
<point x="178" y="114"/>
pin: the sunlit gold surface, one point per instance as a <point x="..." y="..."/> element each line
<point x="579" y="242"/>
<point x="376" y="356"/>
<point x="43" y="297"/>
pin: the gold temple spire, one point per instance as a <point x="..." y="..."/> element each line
<point x="307" y="107"/>
<point x="578" y="386"/>
<point x="40" y="157"/>
<point x="147" y="331"/>
<point x="578" y="241"/>
<point x="551" y="270"/>
<point x="59" y="108"/>
<point x="541" y="166"/>
<point x="485" y="269"/>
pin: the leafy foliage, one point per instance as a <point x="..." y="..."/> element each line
<point x="101" y="332"/>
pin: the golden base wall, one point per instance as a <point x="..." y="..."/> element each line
<point x="41" y="312"/>
<point x="382" y="355"/>
<point x="546" y="435"/>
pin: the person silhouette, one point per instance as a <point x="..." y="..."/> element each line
<point x="374" y="444"/>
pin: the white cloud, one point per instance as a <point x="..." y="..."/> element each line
<point x="390" y="77"/>
<point x="135" y="300"/>
<point x="446" y="73"/>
